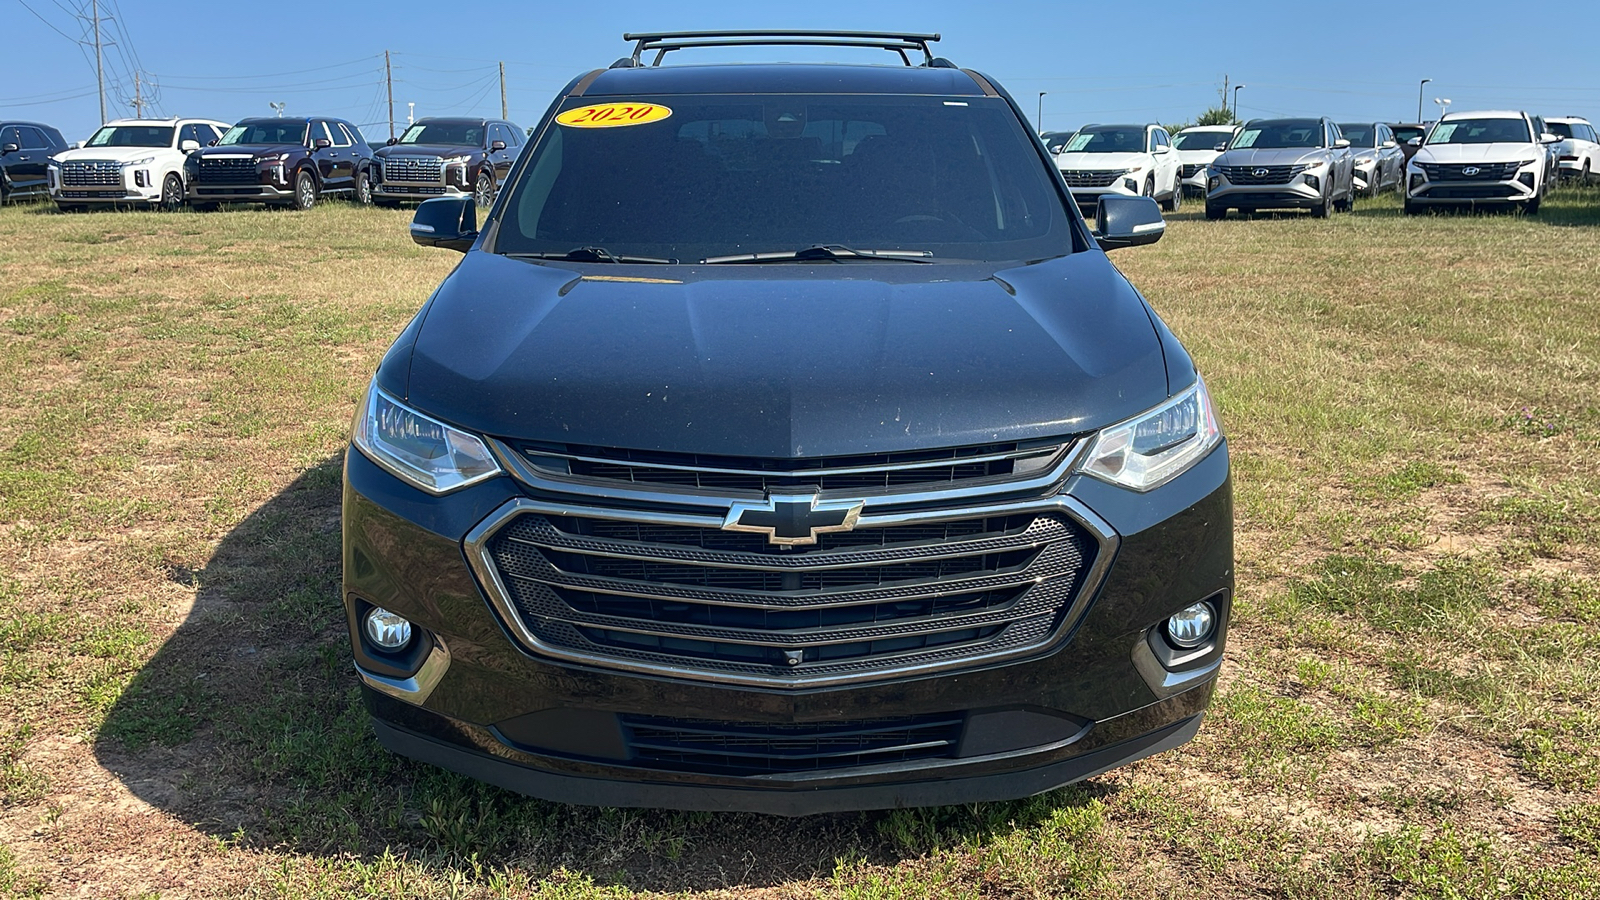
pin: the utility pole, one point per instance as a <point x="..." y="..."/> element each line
<point x="138" y="96"/>
<point x="99" y="63"/>
<point x="1225" y="96"/>
<point x="503" y="113"/>
<point x="388" y="78"/>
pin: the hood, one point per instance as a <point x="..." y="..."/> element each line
<point x="782" y="361"/>
<point x="430" y="150"/>
<point x="1364" y="154"/>
<point x="253" y="150"/>
<point x="1281" y="156"/>
<point x="1197" y="157"/>
<point x="111" y="154"/>
<point x="1462" y="153"/>
<point x="1101" y="161"/>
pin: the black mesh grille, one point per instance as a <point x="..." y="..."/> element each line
<point x="1190" y="170"/>
<point x="735" y="748"/>
<point x="1479" y="171"/>
<point x="227" y="171"/>
<point x="1261" y="174"/>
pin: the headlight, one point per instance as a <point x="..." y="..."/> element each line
<point x="424" y="451"/>
<point x="457" y="160"/>
<point x="1133" y="170"/>
<point x="1154" y="447"/>
<point x="1312" y="166"/>
<point x="1527" y="162"/>
<point x="139" y="162"/>
<point x="272" y="159"/>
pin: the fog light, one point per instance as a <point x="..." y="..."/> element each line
<point x="1416" y="182"/>
<point x="1527" y="179"/>
<point x="1212" y="182"/>
<point x="1131" y="185"/>
<point x="388" y="631"/>
<point x="1313" y="182"/>
<point x="1192" y="626"/>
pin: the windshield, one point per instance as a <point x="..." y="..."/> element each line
<point x="1357" y="135"/>
<point x="288" y="132"/>
<point x="1405" y="133"/>
<point x="1280" y="134"/>
<point x="687" y="177"/>
<point x="1107" y="140"/>
<point x="457" y="134"/>
<point x="1200" y="140"/>
<point x="132" y="136"/>
<point x="1559" y="129"/>
<point x="1480" y="131"/>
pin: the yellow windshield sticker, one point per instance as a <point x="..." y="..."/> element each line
<point x="612" y="115"/>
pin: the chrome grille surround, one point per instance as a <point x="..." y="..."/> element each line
<point x="1485" y="171"/>
<point x="1270" y="175"/>
<point x="413" y="169"/>
<point x="1091" y="178"/>
<point x="919" y="600"/>
<point x="91" y="173"/>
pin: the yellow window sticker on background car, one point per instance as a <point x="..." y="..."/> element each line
<point x="612" y="115"/>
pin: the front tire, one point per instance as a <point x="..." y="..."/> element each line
<point x="171" y="193"/>
<point x="1531" y="207"/>
<point x="483" y="190"/>
<point x="1320" y="211"/>
<point x="1216" y="213"/>
<point x="305" y="190"/>
<point x="1174" y="201"/>
<point x="363" y="193"/>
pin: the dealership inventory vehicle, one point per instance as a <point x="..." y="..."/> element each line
<point x="438" y="157"/>
<point x="282" y="162"/>
<point x="1409" y="136"/>
<point x="1131" y="160"/>
<point x="1379" y="164"/>
<point x="1579" y="151"/>
<point x="1197" y="147"/>
<point x="1055" y="140"/>
<point x="1283" y="164"/>
<point x="785" y="441"/>
<point x="25" y="151"/>
<point x="131" y="162"/>
<point x="1490" y="158"/>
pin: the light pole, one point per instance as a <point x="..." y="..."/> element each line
<point x="1419" y="98"/>
<point x="1039" y="122"/>
<point x="277" y="106"/>
<point x="1444" y="104"/>
<point x="1236" y="100"/>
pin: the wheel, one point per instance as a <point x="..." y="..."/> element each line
<point x="171" y="193"/>
<point x="483" y="191"/>
<point x="1349" y="200"/>
<point x="1377" y="181"/>
<point x="1583" y="179"/>
<point x="1216" y="213"/>
<point x="1175" y="200"/>
<point x="363" y="194"/>
<point x="1320" y="211"/>
<point x="1531" y="207"/>
<point x="305" y="190"/>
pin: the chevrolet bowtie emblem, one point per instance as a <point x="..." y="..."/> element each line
<point x="792" y="518"/>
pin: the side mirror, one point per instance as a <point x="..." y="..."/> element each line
<point x="1221" y="148"/>
<point x="1127" y="222"/>
<point x="189" y="146"/>
<point x="1414" y="142"/>
<point x="211" y="143"/>
<point x="322" y="143"/>
<point x="1342" y="142"/>
<point x="1548" y="138"/>
<point x="496" y="146"/>
<point x="10" y="148"/>
<point x="391" y="142"/>
<point x="1387" y="145"/>
<point x="450" y="222"/>
<point x="1159" y="150"/>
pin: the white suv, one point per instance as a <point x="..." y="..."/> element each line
<point x="1579" y="150"/>
<point x="130" y="161"/>
<point x="1479" y="158"/>
<point x="1197" y="148"/>
<point x="1133" y="160"/>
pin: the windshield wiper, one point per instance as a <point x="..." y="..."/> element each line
<point x="822" y="251"/>
<point x="593" y="254"/>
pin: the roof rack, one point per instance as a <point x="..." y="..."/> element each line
<point x="664" y="41"/>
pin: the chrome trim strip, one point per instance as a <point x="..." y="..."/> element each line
<point x="603" y="490"/>
<point x="418" y="687"/>
<point x="815" y="473"/>
<point x="475" y="546"/>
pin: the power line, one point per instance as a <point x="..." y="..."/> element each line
<point x="364" y="59"/>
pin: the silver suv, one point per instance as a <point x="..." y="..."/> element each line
<point x="1283" y="164"/>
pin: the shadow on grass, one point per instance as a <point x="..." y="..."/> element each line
<point x="248" y="724"/>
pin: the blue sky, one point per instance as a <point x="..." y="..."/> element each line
<point x="1154" y="61"/>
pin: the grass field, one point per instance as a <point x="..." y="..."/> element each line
<point x="1410" y="708"/>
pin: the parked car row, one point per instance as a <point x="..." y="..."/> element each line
<point x="1316" y="164"/>
<point x="167" y="163"/>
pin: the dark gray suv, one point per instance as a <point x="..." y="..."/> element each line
<point x="785" y="441"/>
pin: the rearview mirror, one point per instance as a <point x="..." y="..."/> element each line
<point x="1122" y="221"/>
<point x="497" y="146"/>
<point x="322" y="143"/>
<point x="449" y="222"/>
<point x="189" y="146"/>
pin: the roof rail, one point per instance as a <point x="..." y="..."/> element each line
<point x="664" y="41"/>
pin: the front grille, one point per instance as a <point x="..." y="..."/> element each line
<point x="420" y="190"/>
<point x="413" y="169"/>
<point x="227" y="171"/>
<point x="1261" y="174"/>
<point x="709" y="600"/>
<point x="882" y="472"/>
<point x="1091" y="178"/>
<point x="749" y="749"/>
<point x="91" y="174"/>
<point x="1474" y="192"/>
<point x="1482" y="171"/>
<point x="1190" y="170"/>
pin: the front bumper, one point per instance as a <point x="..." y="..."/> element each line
<point x="1295" y="194"/>
<point x="139" y="184"/>
<point x="1456" y="193"/>
<point x="398" y="191"/>
<point x="477" y="703"/>
<point x="240" y="193"/>
<point x="1088" y="195"/>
